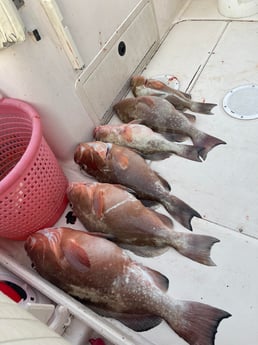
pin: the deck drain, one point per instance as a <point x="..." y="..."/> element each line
<point x="242" y="102"/>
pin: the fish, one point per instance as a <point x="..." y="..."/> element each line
<point x="112" y="210"/>
<point x="143" y="140"/>
<point x="102" y="276"/>
<point x="161" y="116"/>
<point x="112" y="163"/>
<point x="142" y="86"/>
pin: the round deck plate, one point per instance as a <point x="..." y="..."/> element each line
<point x="242" y="102"/>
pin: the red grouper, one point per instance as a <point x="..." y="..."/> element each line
<point x="160" y="115"/>
<point x="116" y="164"/>
<point x="111" y="209"/>
<point x="142" y="86"/>
<point x="104" y="277"/>
<point x="141" y="139"/>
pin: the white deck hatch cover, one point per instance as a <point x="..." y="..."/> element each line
<point x="100" y="85"/>
<point x="242" y="102"/>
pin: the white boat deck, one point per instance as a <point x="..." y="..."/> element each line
<point x="211" y="55"/>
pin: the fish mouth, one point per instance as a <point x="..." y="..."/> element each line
<point x="78" y="153"/>
<point x="96" y="131"/>
<point x="100" y="132"/>
<point x="137" y="80"/>
<point x="100" y="148"/>
<point x="30" y="243"/>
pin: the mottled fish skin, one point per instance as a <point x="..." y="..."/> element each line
<point x="160" y="115"/>
<point x="149" y="144"/>
<point x="111" y="209"/>
<point x="151" y="87"/>
<point x="99" y="272"/>
<point x="112" y="163"/>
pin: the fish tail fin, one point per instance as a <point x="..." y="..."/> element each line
<point x="196" y="322"/>
<point x="203" y="108"/>
<point x="207" y="142"/>
<point x="179" y="210"/>
<point x="191" y="152"/>
<point x="196" y="247"/>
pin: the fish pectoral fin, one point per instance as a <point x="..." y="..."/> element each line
<point x="159" y="279"/>
<point x="190" y="117"/>
<point x="76" y="256"/>
<point x="164" y="182"/>
<point x="137" y="322"/>
<point x="144" y="251"/>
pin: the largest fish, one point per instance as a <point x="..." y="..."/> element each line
<point x="116" y="164"/>
<point x="99" y="273"/>
<point x="160" y="115"/>
<point x="110" y="209"/>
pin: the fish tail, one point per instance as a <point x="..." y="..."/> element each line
<point x="179" y="210"/>
<point x="195" y="322"/>
<point x="203" y="108"/>
<point x="189" y="152"/>
<point x="207" y="142"/>
<point x="196" y="247"/>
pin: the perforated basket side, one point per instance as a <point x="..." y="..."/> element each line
<point x="32" y="185"/>
<point x="37" y="200"/>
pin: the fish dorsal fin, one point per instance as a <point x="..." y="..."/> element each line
<point x="127" y="189"/>
<point x="164" y="182"/>
<point x="159" y="279"/>
<point x="76" y="256"/>
<point x="144" y="251"/>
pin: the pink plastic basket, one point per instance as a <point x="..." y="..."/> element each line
<point x="32" y="185"/>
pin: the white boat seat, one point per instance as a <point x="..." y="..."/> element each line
<point x="19" y="327"/>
